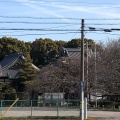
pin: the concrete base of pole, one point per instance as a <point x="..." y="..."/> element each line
<point x="85" y="108"/>
<point x="82" y="101"/>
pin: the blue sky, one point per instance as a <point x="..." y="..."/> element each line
<point x="52" y="17"/>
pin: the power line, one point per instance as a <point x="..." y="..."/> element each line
<point x="51" y="27"/>
<point x="23" y="22"/>
<point x="47" y="29"/>
<point x="102" y="24"/>
<point x="30" y="29"/>
<point x="37" y="22"/>
<point x="30" y="17"/>
<point x="49" y="18"/>
<point x="38" y="34"/>
<point x="104" y="33"/>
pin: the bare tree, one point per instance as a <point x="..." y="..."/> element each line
<point x="59" y="77"/>
<point x="64" y="74"/>
<point x="108" y="69"/>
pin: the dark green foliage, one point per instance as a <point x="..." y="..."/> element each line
<point x="74" y="43"/>
<point x="10" y="45"/>
<point x="43" y="51"/>
<point x="60" y="44"/>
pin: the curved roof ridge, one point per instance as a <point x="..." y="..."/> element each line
<point x="10" y="60"/>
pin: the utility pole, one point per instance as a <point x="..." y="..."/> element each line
<point x="95" y="78"/>
<point x="82" y="73"/>
<point x="86" y="83"/>
<point x="87" y="68"/>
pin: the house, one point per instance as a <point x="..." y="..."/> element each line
<point x="9" y="67"/>
<point x="74" y="52"/>
<point x="69" y="54"/>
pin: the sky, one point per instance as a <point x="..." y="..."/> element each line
<point x="28" y="20"/>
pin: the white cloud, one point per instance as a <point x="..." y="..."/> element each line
<point x="107" y="11"/>
<point x="45" y="7"/>
<point x="103" y="10"/>
<point x="42" y="9"/>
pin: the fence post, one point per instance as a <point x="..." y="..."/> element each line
<point x="57" y="108"/>
<point x="31" y="108"/>
<point x="103" y="106"/>
<point x="1" y="107"/>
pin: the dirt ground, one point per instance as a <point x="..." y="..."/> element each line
<point x="50" y="119"/>
<point x="20" y="113"/>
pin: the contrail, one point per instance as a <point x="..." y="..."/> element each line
<point x="42" y="9"/>
<point x="99" y="10"/>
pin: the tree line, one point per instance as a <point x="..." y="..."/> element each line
<point x="39" y="52"/>
<point x="54" y="76"/>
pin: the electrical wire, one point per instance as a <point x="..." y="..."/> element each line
<point x="104" y="33"/>
<point x="31" y="29"/>
<point x="30" y="17"/>
<point x="59" y="31"/>
<point x="49" y="29"/>
<point x="27" y="22"/>
<point x="49" y="18"/>
<point x="102" y="23"/>
<point x="40" y="34"/>
<point x="37" y="22"/>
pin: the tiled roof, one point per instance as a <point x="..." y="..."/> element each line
<point x="7" y="63"/>
<point x="10" y="60"/>
<point x="73" y="52"/>
<point x="7" y="72"/>
<point x="70" y="52"/>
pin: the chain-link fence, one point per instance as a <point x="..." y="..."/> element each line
<point x="46" y="108"/>
<point x="24" y="108"/>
